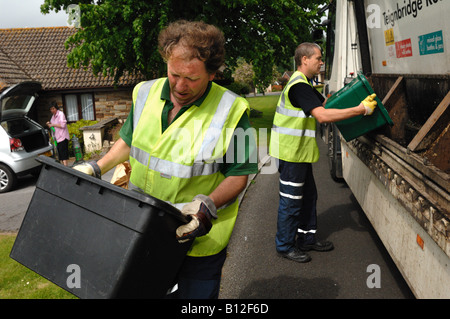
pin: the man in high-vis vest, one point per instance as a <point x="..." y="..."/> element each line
<point x="180" y="138"/>
<point x="293" y="143"/>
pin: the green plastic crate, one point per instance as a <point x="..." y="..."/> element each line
<point x="351" y="95"/>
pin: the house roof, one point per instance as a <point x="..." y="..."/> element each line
<point x="39" y="54"/>
<point x="287" y="74"/>
<point x="10" y="73"/>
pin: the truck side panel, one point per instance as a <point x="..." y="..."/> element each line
<point x="423" y="265"/>
<point x="400" y="174"/>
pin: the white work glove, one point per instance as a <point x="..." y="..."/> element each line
<point x="369" y="104"/>
<point x="201" y="210"/>
<point x="89" y="168"/>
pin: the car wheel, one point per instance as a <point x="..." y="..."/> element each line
<point x="7" y="179"/>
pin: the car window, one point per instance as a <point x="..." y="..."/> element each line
<point x="19" y="126"/>
<point x="17" y="102"/>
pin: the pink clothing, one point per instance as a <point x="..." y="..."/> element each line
<point x="60" y="133"/>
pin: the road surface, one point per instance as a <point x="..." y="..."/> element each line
<point x="254" y="270"/>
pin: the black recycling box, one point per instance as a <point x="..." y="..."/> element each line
<point x="97" y="240"/>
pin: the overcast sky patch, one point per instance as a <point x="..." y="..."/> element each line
<point x="27" y="14"/>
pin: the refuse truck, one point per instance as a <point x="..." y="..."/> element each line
<point x="398" y="173"/>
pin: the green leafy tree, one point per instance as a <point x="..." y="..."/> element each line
<point x="117" y="36"/>
<point x="243" y="73"/>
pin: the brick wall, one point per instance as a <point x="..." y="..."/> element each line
<point x="113" y="104"/>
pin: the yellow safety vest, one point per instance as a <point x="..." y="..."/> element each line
<point x="293" y="135"/>
<point x="183" y="162"/>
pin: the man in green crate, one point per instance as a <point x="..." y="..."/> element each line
<point x="177" y="139"/>
<point x="293" y="143"/>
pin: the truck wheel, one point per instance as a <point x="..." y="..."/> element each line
<point x="334" y="155"/>
<point x="7" y="179"/>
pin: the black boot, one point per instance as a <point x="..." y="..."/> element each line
<point x="296" y="255"/>
<point x="307" y="242"/>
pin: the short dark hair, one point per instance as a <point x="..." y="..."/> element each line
<point x="305" y="49"/>
<point x="53" y="104"/>
<point x="205" y="41"/>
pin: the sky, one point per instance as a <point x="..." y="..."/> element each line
<point x="27" y="14"/>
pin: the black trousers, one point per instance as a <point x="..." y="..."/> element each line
<point x="63" y="150"/>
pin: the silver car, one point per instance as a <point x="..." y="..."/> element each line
<point x="21" y="138"/>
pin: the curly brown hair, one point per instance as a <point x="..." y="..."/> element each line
<point x="203" y="41"/>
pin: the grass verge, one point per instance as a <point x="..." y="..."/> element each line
<point x="267" y="105"/>
<point x="19" y="282"/>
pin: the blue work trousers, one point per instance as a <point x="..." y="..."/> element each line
<point x="200" y="277"/>
<point x="297" y="213"/>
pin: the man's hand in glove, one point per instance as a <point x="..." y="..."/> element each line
<point x="369" y="104"/>
<point x="201" y="210"/>
<point x="89" y="168"/>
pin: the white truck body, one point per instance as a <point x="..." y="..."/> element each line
<point x="399" y="175"/>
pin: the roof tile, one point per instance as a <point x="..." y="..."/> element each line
<point x="39" y="54"/>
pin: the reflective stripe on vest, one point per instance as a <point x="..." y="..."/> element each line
<point x="169" y="168"/>
<point x="142" y="96"/>
<point x="293" y="132"/>
<point x="216" y="126"/>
